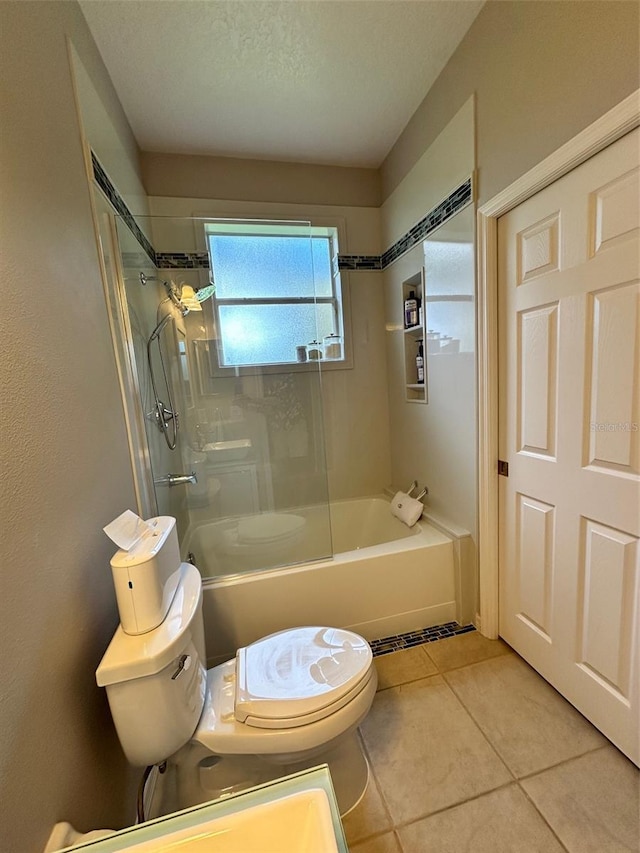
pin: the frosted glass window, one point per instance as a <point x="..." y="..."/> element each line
<point x="269" y="334"/>
<point x="277" y="288"/>
<point x="263" y="267"/>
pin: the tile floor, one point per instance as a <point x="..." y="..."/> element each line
<point x="471" y="750"/>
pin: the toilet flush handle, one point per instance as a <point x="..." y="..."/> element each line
<point x="184" y="663"/>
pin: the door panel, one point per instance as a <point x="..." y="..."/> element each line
<point x="569" y="368"/>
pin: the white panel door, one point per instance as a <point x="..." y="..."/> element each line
<point x="569" y="320"/>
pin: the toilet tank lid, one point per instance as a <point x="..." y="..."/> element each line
<point x="135" y="656"/>
<point x="298" y="671"/>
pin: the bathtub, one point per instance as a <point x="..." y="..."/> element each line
<point x="383" y="579"/>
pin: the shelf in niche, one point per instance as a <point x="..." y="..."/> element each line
<point x="415" y="392"/>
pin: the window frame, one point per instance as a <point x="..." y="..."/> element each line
<point x="338" y="299"/>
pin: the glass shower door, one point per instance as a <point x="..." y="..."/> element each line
<point x="250" y="419"/>
<point x="156" y="363"/>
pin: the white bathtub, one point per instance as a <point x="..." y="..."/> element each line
<point x="384" y="579"/>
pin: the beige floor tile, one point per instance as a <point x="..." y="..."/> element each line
<point x="426" y="751"/>
<point x="369" y="817"/>
<point x="403" y="666"/>
<point x="503" y="821"/>
<point x="454" y="652"/>
<point x="387" y="843"/>
<point x="592" y="802"/>
<point x="530" y="725"/>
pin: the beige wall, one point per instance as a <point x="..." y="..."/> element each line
<point x="65" y="464"/>
<point x="541" y="72"/>
<point x="183" y="175"/>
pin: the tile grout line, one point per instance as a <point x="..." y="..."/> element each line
<point x="477" y="724"/>
<point x="502" y="787"/>
<point x="545" y="821"/>
<point x="535" y="773"/>
<point x="513" y="780"/>
<point x="495" y="748"/>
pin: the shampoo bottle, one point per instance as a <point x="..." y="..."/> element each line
<point x="411" y="310"/>
<point x="420" y="362"/>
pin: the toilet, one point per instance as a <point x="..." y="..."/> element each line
<point x="288" y="701"/>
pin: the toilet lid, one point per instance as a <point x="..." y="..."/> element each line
<point x="269" y="526"/>
<point x="302" y="672"/>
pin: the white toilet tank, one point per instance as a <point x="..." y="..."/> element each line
<point x="156" y="682"/>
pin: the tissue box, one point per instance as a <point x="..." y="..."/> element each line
<point x="146" y="576"/>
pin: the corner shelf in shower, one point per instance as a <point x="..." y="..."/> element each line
<point x="415" y="392"/>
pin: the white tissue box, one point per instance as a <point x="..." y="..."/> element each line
<point x="146" y="576"/>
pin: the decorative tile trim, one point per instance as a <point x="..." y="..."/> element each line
<point x="416" y="638"/>
<point x="117" y="201"/>
<point x="182" y="260"/>
<point x="451" y="205"/>
<point x="359" y="262"/>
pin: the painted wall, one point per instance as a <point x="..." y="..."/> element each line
<point x="540" y="71"/>
<point x="181" y="175"/>
<point x="356" y="419"/>
<point x="65" y="464"/>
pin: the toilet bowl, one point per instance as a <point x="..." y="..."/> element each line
<point x="264" y="539"/>
<point x="288" y="701"/>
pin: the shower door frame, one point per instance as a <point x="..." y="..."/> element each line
<point x="122" y="337"/>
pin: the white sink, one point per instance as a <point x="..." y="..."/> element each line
<point x="228" y="451"/>
<point x="295" y="814"/>
<point x="298" y="823"/>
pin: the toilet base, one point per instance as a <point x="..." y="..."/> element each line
<point x="201" y="776"/>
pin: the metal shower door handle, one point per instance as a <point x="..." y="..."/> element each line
<point x="176" y="480"/>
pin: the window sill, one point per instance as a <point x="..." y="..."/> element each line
<point x="319" y="366"/>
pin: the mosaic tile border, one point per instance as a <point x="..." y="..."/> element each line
<point x="182" y="260"/>
<point x="360" y="262"/>
<point x="417" y="638"/>
<point x="117" y="201"/>
<point x="452" y="204"/>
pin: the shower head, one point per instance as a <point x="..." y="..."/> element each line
<point x="187" y="298"/>
<point x="204" y="293"/>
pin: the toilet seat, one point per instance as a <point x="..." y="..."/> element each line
<point x="298" y="676"/>
<point x="221" y="733"/>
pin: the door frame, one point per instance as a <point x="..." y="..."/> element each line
<point x="622" y="119"/>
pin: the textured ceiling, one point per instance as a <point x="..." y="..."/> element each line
<point x="314" y="81"/>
